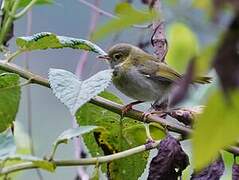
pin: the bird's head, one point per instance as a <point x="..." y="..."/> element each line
<point x="118" y="54"/>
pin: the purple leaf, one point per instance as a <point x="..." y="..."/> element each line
<point x="170" y="161"/>
<point x="235" y="171"/>
<point x="212" y="172"/>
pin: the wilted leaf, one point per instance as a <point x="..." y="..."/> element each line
<point x="9" y="99"/>
<point x="24" y="3"/>
<point x="170" y="161"/>
<point x="212" y="172"/>
<point x="73" y="92"/>
<point x="46" y="40"/>
<point x="183" y="45"/>
<point x="114" y="136"/>
<point x="7" y="144"/>
<point x="127" y="16"/>
<point x="219" y="114"/>
<point x="41" y="163"/>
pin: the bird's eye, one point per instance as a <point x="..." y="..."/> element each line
<point x="117" y="56"/>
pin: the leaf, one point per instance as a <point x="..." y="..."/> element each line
<point x="46" y="40"/>
<point x="183" y="46"/>
<point x="39" y="162"/>
<point x="9" y="99"/>
<point x="127" y="16"/>
<point x="73" y="92"/>
<point x="213" y="171"/>
<point x="69" y="134"/>
<point x="24" y="3"/>
<point x="169" y="158"/>
<point x="222" y="116"/>
<point x="136" y="134"/>
<point x="7" y="144"/>
<point x="114" y="136"/>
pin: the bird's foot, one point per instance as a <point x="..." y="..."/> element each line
<point x="128" y="107"/>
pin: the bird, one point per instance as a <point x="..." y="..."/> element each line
<point x="141" y="76"/>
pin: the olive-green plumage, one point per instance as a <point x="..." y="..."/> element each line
<point x="140" y="75"/>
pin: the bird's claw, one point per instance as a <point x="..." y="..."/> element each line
<point x="126" y="109"/>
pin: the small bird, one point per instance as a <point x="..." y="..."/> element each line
<point x="141" y="76"/>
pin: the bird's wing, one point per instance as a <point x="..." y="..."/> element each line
<point x="158" y="71"/>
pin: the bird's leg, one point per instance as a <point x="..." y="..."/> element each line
<point x="129" y="106"/>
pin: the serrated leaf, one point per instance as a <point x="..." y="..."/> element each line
<point x="222" y="116"/>
<point x="110" y="138"/>
<point x="39" y="162"/>
<point x="24" y="3"/>
<point x="46" y="40"/>
<point x="73" y="92"/>
<point x="127" y="16"/>
<point x="9" y="99"/>
<point x="183" y="46"/>
<point x="7" y="144"/>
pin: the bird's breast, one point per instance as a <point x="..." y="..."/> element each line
<point x="136" y="85"/>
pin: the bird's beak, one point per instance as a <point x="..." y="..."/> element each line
<point x="106" y="57"/>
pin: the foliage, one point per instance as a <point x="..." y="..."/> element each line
<point x="116" y="135"/>
<point x="73" y="92"/>
<point x="45" y="40"/>
<point x="224" y="113"/>
<point x="10" y="98"/>
<point x="127" y="16"/>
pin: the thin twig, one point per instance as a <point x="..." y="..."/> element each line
<point x="110" y="15"/>
<point x="86" y="161"/>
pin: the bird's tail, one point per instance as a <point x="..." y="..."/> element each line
<point x="203" y="80"/>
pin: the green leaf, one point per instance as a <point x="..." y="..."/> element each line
<point x="7" y="144"/>
<point x="46" y="40"/>
<point x="73" y="92"/>
<point x="136" y="134"/>
<point x="24" y="3"/>
<point x="69" y="134"/>
<point x="222" y="117"/>
<point x="9" y="99"/>
<point x="112" y="137"/>
<point x="39" y="162"/>
<point x="183" y="45"/>
<point x="127" y="16"/>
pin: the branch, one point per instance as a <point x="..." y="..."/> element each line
<point x="107" y="104"/>
<point x="97" y="9"/>
<point x="24" y="11"/>
<point x="85" y="161"/>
